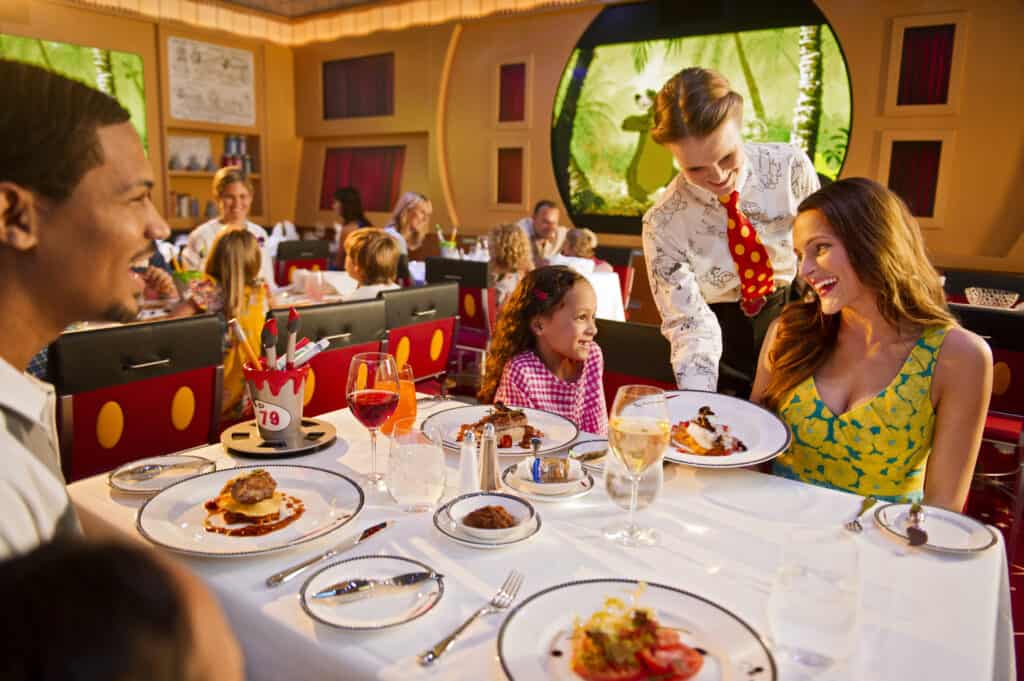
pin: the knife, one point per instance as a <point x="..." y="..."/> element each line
<point x="284" y="575"/>
<point x="358" y="589"/>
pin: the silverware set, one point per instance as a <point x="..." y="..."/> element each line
<point x="916" y="535"/>
<point x="288" y="573"/>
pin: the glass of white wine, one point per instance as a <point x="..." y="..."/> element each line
<point x="638" y="434"/>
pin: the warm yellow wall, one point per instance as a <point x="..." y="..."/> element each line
<point x="55" y="21"/>
<point x="419" y="55"/>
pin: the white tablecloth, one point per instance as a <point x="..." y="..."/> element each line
<point x="925" y="616"/>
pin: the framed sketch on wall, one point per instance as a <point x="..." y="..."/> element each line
<point x="211" y="83"/>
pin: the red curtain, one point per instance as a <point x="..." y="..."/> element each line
<point x="926" y="64"/>
<point x="513" y="93"/>
<point x="914" y="174"/>
<point x="359" y="87"/>
<point x="375" y="171"/>
<point x="510" y="175"/>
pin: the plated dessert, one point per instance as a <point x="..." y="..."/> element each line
<point x="510" y="427"/>
<point x="702" y="435"/>
<point x="626" y="643"/>
<point x="250" y="505"/>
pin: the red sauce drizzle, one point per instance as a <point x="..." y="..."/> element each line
<point x="253" y="527"/>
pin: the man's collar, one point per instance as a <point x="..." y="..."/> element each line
<point x="22" y="393"/>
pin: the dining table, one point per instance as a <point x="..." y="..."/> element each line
<point x="924" y="615"/>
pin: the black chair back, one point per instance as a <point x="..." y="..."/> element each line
<point x="413" y="305"/>
<point x="616" y="256"/>
<point x="466" y="273"/>
<point x="303" y="249"/>
<point x="343" y="324"/>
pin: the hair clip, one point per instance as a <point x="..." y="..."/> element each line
<point x="539" y="295"/>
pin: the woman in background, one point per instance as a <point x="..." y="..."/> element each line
<point x="233" y="192"/>
<point x="408" y="225"/>
<point x="511" y="258"/>
<point x="348" y="204"/>
<point x="884" y="392"/>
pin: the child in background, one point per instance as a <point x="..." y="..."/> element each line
<point x="371" y="258"/>
<point x="580" y="242"/>
<point x="232" y="287"/>
<point x="511" y="258"/>
<point x="543" y="353"/>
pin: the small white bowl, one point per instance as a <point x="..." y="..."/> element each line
<point x="520" y="509"/>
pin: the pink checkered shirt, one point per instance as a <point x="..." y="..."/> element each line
<point x="526" y="382"/>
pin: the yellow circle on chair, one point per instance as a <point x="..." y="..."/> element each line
<point x="1002" y="377"/>
<point x="310" y="388"/>
<point x="469" y="302"/>
<point x="402" y="352"/>
<point x="291" y="270"/>
<point x="315" y="267"/>
<point x="739" y="249"/>
<point x="361" y="375"/>
<point x="109" y="425"/>
<point x="183" y="408"/>
<point x="755" y="257"/>
<point x="436" y="344"/>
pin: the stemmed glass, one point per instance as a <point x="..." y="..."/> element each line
<point x="372" y="392"/>
<point x="814" y="606"/>
<point x="638" y="434"/>
<point x="406" y="398"/>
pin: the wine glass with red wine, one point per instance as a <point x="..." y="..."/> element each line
<point x="373" y="397"/>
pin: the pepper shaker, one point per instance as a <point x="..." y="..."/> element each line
<point x="490" y="477"/>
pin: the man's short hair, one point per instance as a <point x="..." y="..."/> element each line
<point x="542" y="204"/>
<point x="693" y="104"/>
<point x="48" y="124"/>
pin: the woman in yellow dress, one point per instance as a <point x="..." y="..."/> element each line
<point x="884" y="393"/>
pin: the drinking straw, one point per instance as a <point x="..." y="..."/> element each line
<point x="269" y="339"/>
<point x="293" y="334"/>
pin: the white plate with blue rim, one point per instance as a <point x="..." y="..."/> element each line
<point x="948" y="532"/>
<point x="519" y="478"/>
<point x="447" y="520"/>
<point x="763" y="434"/>
<point x="557" y="430"/>
<point x="535" y="640"/>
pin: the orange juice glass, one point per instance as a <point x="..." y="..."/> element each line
<point x="406" y="399"/>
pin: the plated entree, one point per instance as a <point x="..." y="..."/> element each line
<point x="510" y="427"/>
<point x="251" y="505"/>
<point x="704" y="436"/>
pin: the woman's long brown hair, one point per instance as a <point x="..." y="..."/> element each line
<point x="234" y="261"/>
<point x="886" y="250"/>
<point x="539" y="293"/>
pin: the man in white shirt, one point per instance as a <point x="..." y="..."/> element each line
<point x="718" y="242"/>
<point x="546" y="236"/>
<point x="234" y="199"/>
<point x="72" y="171"/>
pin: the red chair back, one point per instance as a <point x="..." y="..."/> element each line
<point x="292" y="255"/>
<point x="351" y="328"/>
<point x="421" y="327"/>
<point x="633" y="353"/>
<point x="134" y="391"/>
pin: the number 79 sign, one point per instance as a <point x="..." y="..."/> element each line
<point x="270" y="416"/>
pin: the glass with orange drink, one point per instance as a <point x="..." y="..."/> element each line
<point x="406" y="399"/>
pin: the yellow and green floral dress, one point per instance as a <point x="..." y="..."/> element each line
<point x="879" y="448"/>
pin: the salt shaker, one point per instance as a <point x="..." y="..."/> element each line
<point x="490" y="477"/>
<point x="469" y="474"/>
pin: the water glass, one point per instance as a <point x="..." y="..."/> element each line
<point x="618" y="484"/>
<point x="814" y="606"/>
<point x="416" y="467"/>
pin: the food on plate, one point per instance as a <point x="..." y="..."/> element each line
<point x="626" y="643"/>
<point x="704" y="436"/>
<point x="510" y="427"/>
<point x="252" y="504"/>
<point x="490" y="518"/>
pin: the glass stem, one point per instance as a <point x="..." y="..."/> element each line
<point x="373" y="452"/>
<point x="634" y="491"/>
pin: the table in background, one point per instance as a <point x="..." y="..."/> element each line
<point x="925" y="616"/>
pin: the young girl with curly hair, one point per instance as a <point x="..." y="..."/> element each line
<point x="543" y="353"/>
<point x="511" y="258"/>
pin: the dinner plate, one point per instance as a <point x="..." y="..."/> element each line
<point x="584" y="447"/>
<point x="948" y="532"/>
<point x="195" y="466"/>
<point x="764" y="433"/>
<point x="574" y="490"/>
<point x="174" y="518"/>
<point x="535" y="642"/>
<point x="450" y="529"/>
<point x="375" y="612"/>
<point x="558" y="430"/>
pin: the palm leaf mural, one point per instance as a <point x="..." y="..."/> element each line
<point x="807" y="114"/>
<point x="104" y="72"/>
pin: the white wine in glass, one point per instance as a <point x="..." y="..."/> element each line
<point x="638" y="434"/>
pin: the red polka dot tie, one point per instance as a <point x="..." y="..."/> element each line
<point x="757" y="278"/>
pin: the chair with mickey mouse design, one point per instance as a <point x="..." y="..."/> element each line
<point x="633" y="354"/>
<point x="138" y="390"/>
<point x="421" y="325"/>
<point x="293" y="255"/>
<point x="478" y="310"/>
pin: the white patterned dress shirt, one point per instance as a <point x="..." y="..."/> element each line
<point x="688" y="259"/>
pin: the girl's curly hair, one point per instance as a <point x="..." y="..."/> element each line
<point x="539" y="293"/>
<point x="510" y="249"/>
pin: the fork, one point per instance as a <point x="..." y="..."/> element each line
<point x="854" y="525"/>
<point x="501" y="601"/>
